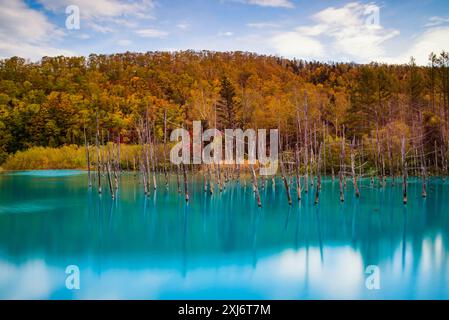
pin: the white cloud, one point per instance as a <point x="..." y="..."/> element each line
<point x="183" y="26"/>
<point x="84" y="36"/>
<point x="293" y="44"/>
<point x="225" y="34"/>
<point x="104" y="16"/>
<point x="272" y="3"/>
<point x="432" y="40"/>
<point x="100" y="28"/>
<point x="342" y="33"/>
<point x="26" y="32"/>
<point x="436" y="21"/>
<point x="124" y="42"/>
<point x="102" y="9"/>
<point x="151" y="33"/>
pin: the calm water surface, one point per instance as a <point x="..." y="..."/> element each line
<point x="220" y="246"/>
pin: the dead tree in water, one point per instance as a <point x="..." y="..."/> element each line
<point x="86" y="143"/>
<point x="354" y="176"/>
<point x="144" y="175"/>
<point x="342" y="164"/>
<point x="205" y="174"/>
<point x="178" y="169"/>
<point x="435" y="150"/>
<point x="318" y="173"/>
<point x="423" y="160"/>
<point x="165" y="148"/>
<point x="255" y="186"/>
<point x="152" y="143"/>
<point x="108" y="170"/>
<point x="404" y="171"/>
<point x="297" y="160"/>
<point x="444" y="161"/>
<point x="286" y="184"/>
<point x="143" y="158"/>
<point x="298" y="178"/>
<point x="211" y="184"/>
<point x="97" y="142"/>
<point x="306" y="145"/>
<point x="423" y="174"/>
<point x="115" y="162"/>
<point x="186" y="190"/>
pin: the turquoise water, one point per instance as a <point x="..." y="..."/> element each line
<point x="220" y="246"/>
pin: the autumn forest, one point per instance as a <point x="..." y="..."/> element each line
<point x="376" y="116"/>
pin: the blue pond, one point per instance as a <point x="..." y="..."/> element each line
<point x="221" y="246"/>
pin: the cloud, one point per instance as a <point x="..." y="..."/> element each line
<point x="436" y="21"/>
<point x="100" y="28"/>
<point x="151" y="33"/>
<point x="272" y="3"/>
<point x="124" y="42"/>
<point x="84" y="36"/>
<point x="225" y="34"/>
<point x="350" y="32"/>
<point x="101" y="9"/>
<point x="26" y="32"/>
<point x="432" y="40"/>
<point x="104" y="16"/>
<point x="183" y="26"/>
<point x="293" y="44"/>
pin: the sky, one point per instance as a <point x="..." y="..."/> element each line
<point x="340" y="31"/>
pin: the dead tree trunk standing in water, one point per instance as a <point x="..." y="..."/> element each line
<point x="178" y="169"/>
<point x="186" y="190"/>
<point x="404" y="171"/>
<point x="256" y="187"/>
<point x="354" y="175"/>
<point x="306" y="145"/>
<point x="152" y="143"/>
<point x="444" y="162"/>
<point x="211" y="183"/>
<point x="97" y="142"/>
<point x="86" y="143"/>
<point x="108" y="170"/>
<point x="165" y="148"/>
<point x="342" y="164"/>
<point x="284" y="178"/>
<point x="298" y="177"/>
<point x="423" y="160"/>
<point x="286" y="184"/>
<point x="318" y="173"/>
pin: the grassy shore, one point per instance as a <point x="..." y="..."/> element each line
<point x="66" y="157"/>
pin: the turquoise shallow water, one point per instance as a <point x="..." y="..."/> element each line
<point x="219" y="247"/>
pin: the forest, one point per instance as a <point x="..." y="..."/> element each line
<point x="372" y="117"/>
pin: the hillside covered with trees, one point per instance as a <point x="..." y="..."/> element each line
<point x="50" y="103"/>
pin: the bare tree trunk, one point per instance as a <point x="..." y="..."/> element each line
<point x="306" y="146"/>
<point x="404" y="171"/>
<point x="108" y="169"/>
<point x="354" y="176"/>
<point x="186" y="190"/>
<point x="89" y="178"/>
<point x="97" y="142"/>
<point x="255" y="187"/>
<point x="342" y="163"/>
<point x="318" y="173"/>
<point x="165" y="148"/>
<point x="286" y="185"/>
<point x="177" y="179"/>
<point x="298" y="178"/>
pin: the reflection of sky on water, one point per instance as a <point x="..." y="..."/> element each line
<point x="219" y="247"/>
<point x="286" y="275"/>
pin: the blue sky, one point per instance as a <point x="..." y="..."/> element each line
<point x="385" y="31"/>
